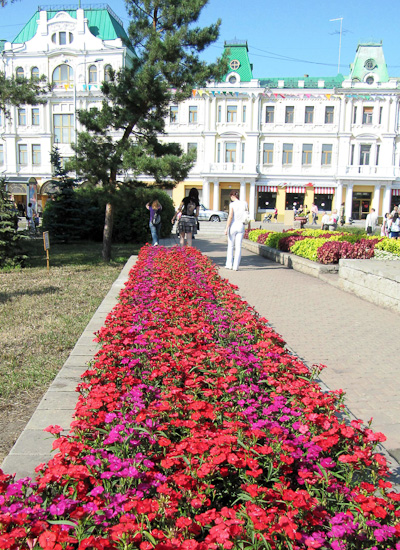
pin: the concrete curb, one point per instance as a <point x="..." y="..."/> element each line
<point x="57" y="406"/>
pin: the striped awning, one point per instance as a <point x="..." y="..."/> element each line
<point x="267" y="188"/>
<point x="296" y="189"/>
<point x="324" y="190"/>
<point x="396" y="192"/>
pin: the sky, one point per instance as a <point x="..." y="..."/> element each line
<point x="290" y="38"/>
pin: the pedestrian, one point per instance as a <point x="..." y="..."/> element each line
<point x="395" y="226"/>
<point x="189" y="209"/>
<point x="385" y="226"/>
<point x="276" y="215"/>
<point x="341" y="214"/>
<point x="235" y="226"/>
<point x="155" y="220"/>
<point x="314" y="213"/>
<point x="371" y="221"/>
<point x="333" y="221"/>
<point x="325" y="221"/>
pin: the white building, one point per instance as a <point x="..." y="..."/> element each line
<point x="279" y="140"/>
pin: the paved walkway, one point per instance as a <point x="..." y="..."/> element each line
<point x="356" y="340"/>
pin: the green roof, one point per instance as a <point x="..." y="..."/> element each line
<point x="102" y="22"/>
<point x="369" y="61"/>
<point x="309" y="82"/>
<point x="238" y="50"/>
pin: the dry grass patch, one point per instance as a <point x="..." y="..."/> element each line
<point x="41" y="317"/>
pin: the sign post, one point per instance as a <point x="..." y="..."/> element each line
<point x="46" y="242"/>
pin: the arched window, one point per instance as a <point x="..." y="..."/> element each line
<point x="92" y="74"/>
<point x="19" y="72"/>
<point x="107" y="73"/>
<point x="63" y="74"/>
<point x="34" y="72"/>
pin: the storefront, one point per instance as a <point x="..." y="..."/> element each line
<point x="294" y="197"/>
<point x="266" y="198"/>
<point x="323" y="198"/>
<point x="361" y="205"/>
<point x="23" y="190"/>
<point x="395" y="199"/>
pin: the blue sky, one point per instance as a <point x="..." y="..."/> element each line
<point x="290" y="38"/>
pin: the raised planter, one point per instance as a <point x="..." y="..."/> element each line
<point x="291" y="260"/>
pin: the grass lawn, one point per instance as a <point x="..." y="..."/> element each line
<point x="43" y="314"/>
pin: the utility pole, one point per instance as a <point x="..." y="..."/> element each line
<point x="340" y="39"/>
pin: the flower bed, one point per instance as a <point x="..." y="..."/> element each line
<point x="195" y="429"/>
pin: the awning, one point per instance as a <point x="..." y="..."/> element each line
<point x="18" y="185"/>
<point x="396" y="192"/>
<point x="297" y="189"/>
<point x="267" y="188"/>
<point x="324" y="190"/>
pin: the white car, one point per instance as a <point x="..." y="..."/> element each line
<point x="206" y="214"/>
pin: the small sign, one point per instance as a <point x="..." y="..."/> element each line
<point x="46" y="240"/>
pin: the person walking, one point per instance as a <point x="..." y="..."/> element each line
<point x="155" y="220"/>
<point x="371" y="221"/>
<point x="189" y="210"/>
<point x="341" y="214"/>
<point x="235" y="226"/>
<point x="314" y="213"/>
<point x="395" y="226"/>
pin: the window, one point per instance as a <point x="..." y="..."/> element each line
<point x="19" y="72"/>
<point x="244" y="113"/>
<point x="34" y="72"/>
<point x="63" y="128"/>
<point x="107" y="73"/>
<point x="36" y="160"/>
<point x="92" y="74"/>
<point x="192" y="148"/>
<point x="287" y="154"/>
<point x="352" y="155"/>
<point x="173" y="114"/>
<point x="367" y="115"/>
<point x="1" y="154"/>
<point x="231" y="113"/>
<point x="306" y="157"/>
<point x="289" y="115"/>
<point x="326" y="159"/>
<point x="63" y="74"/>
<point x="365" y="151"/>
<point x="21" y="117"/>
<point x="219" y="152"/>
<point x="35" y="116"/>
<point x="268" y="153"/>
<point x="269" y="114"/>
<point x="192" y="115"/>
<point x="309" y="115"/>
<point x="354" y="115"/>
<point x="22" y="155"/>
<point x="230" y="152"/>
<point x="329" y="111"/>
<point x="378" y="148"/>
<point x="380" y="115"/>
<point x="219" y="113"/>
<point x="62" y="38"/>
<point x="243" y="150"/>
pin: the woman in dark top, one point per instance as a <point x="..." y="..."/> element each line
<point x="155" y="220"/>
<point x="187" y="224"/>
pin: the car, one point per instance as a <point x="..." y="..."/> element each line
<point x="206" y="214"/>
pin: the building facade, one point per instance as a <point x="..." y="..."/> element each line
<point x="279" y="141"/>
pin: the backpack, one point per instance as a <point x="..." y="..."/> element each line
<point x="156" y="218"/>
<point x="189" y="208"/>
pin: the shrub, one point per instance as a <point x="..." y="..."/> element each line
<point x="308" y="248"/>
<point x="389" y="245"/>
<point x="286" y="242"/>
<point x="11" y="254"/>
<point x="274" y="238"/>
<point x="332" y="251"/>
<point x="263" y="237"/>
<point x="254" y="234"/>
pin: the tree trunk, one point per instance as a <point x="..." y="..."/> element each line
<point x="107" y="232"/>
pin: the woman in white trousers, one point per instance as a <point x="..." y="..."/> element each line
<point x="235" y="227"/>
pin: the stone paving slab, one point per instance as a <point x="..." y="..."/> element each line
<point x="57" y="407"/>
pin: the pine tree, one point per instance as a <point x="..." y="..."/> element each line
<point x="10" y="240"/>
<point x="61" y="216"/>
<point x="136" y="100"/>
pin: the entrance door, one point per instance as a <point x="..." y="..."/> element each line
<point x="360" y="209"/>
<point x="225" y="199"/>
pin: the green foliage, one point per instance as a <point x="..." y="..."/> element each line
<point x="11" y="254"/>
<point x="21" y="91"/>
<point x="274" y="238"/>
<point x="389" y="245"/>
<point x="308" y="248"/>
<point x="254" y="234"/>
<point x="62" y="213"/>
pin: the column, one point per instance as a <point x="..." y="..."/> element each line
<point x="242" y="195"/>
<point x="375" y="200"/>
<point x="216" y="195"/>
<point x="386" y="200"/>
<point x="338" y="196"/>
<point x="206" y="193"/>
<point x="349" y="202"/>
<point x="252" y="200"/>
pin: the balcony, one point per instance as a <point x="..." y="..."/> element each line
<point x="359" y="172"/>
<point x="228" y="168"/>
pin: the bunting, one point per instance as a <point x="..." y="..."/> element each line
<point x="300" y="94"/>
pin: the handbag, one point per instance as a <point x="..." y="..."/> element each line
<point x="246" y="218"/>
<point x="369" y="230"/>
<point x="198" y="226"/>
